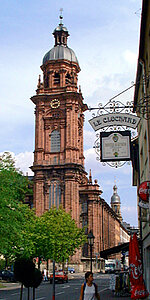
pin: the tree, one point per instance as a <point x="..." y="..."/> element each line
<point x="26" y="273"/>
<point x="54" y="235"/>
<point x="16" y="218"/>
<point x="57" y="235"/>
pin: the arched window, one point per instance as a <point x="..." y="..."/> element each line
<point x="46" y="80"/>
<point x="54" y="194"/>
<point x="115" y="207"/>
<point x="56" y="78"/>
<point x="68" y="78"/>
<point x="55" y="141"/>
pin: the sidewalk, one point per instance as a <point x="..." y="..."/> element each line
<point x="9" y="285"/>
<point x="108" y="295"/>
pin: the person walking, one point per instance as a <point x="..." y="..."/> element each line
<point x="45" y="274"/>
<point x="89" y="289"/>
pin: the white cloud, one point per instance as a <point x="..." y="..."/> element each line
<point x="130" y="57"/>
<point x="24" y="161"/>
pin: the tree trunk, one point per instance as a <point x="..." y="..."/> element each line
<point x="53" y="280"/>
<point x="63" y="264"/>
<point x="6" y="263"/>
<point x="47" y="269"/>
<point x="33" y="293"/>
<point x="21" y="291"/>
<point x="28" y="293"/>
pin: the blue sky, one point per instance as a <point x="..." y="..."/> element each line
<point x="105" y="38"/>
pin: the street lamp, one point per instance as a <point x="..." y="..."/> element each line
<point x="91" y="238"/>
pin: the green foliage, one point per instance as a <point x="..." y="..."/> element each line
<point x="57" y="235"/>
<point x="2" y="264"/>
<point x="15" y="217"/>
<point x="7" y="162"/>
<point x="54" y="235"/>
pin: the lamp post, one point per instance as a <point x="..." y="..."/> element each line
<point x="53" y="280"/>
<point x="91" y="238"/>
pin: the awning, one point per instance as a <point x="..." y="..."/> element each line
<point x="116" y="249"/>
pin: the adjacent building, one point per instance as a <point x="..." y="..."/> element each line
<point x="141" y="145"/>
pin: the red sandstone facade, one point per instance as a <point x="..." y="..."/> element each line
<point x="59" y="174"/>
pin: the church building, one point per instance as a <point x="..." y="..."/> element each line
<point x="59" y="174"/>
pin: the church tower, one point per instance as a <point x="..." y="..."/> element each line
<point x="58" y="157"/>
<point x="115" y="203"/>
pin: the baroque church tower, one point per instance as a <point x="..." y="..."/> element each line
<point x="58" y="157"/>
<point x="59" y="174"/>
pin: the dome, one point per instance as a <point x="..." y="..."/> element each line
<point x="60" y="28"/>
<point x="115" y="197"/>
<point x="60" y="52"/>
<point x="60" y="49"/>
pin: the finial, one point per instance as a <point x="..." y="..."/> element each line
<point x="90" y="177"/>
<point x="39" y="81"/>
<point x="61" y="16"/>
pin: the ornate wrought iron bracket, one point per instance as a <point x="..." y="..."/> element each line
<point x="113" y="108"/>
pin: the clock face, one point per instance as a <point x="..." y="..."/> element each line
<point x="55" y="103"/>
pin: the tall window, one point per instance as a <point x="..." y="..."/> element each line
<point x="54" y="194"/>
<point x="56" y="78"/>
<point x="55" y="141"/>
<point x="68" y="78"/>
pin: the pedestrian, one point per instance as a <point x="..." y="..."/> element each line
<point x="89" y="289"/>
<point x="45" y="275"/>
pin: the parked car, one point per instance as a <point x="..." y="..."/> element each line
<point x="60" y="276"/>
<point x="7" y="275"/>
<point x="71" y="270"/>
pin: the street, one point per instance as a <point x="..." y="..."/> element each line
<point x="67" y="291"/>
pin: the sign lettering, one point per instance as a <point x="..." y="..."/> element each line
<point x="117" y="119"/>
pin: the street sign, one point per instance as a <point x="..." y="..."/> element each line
<point x="144" y="191"/>
<point x="114" y="119"/>
<point x="115" y="145"/>
<point x="143" y="205"/>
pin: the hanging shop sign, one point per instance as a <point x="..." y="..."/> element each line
<point x="144" y="191"/>
<point x="114" y="119"/>
<point x="115" y="146"/>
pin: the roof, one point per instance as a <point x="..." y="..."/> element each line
<point x="115" y="197"/>
<point x="116" y="249"/>
<point x="61" y="49"/>
<point x="122" y="247"/>
<point x="60" y="52"/>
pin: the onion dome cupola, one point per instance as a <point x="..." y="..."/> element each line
<point x="115" y="203"/>
<point x="115" y="197"/>
<point x="60" y="65"/>
<point x="60" y="49"/>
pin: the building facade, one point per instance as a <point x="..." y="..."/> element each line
<point x="59" y="174"/>
<point x="141" y="146"/>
